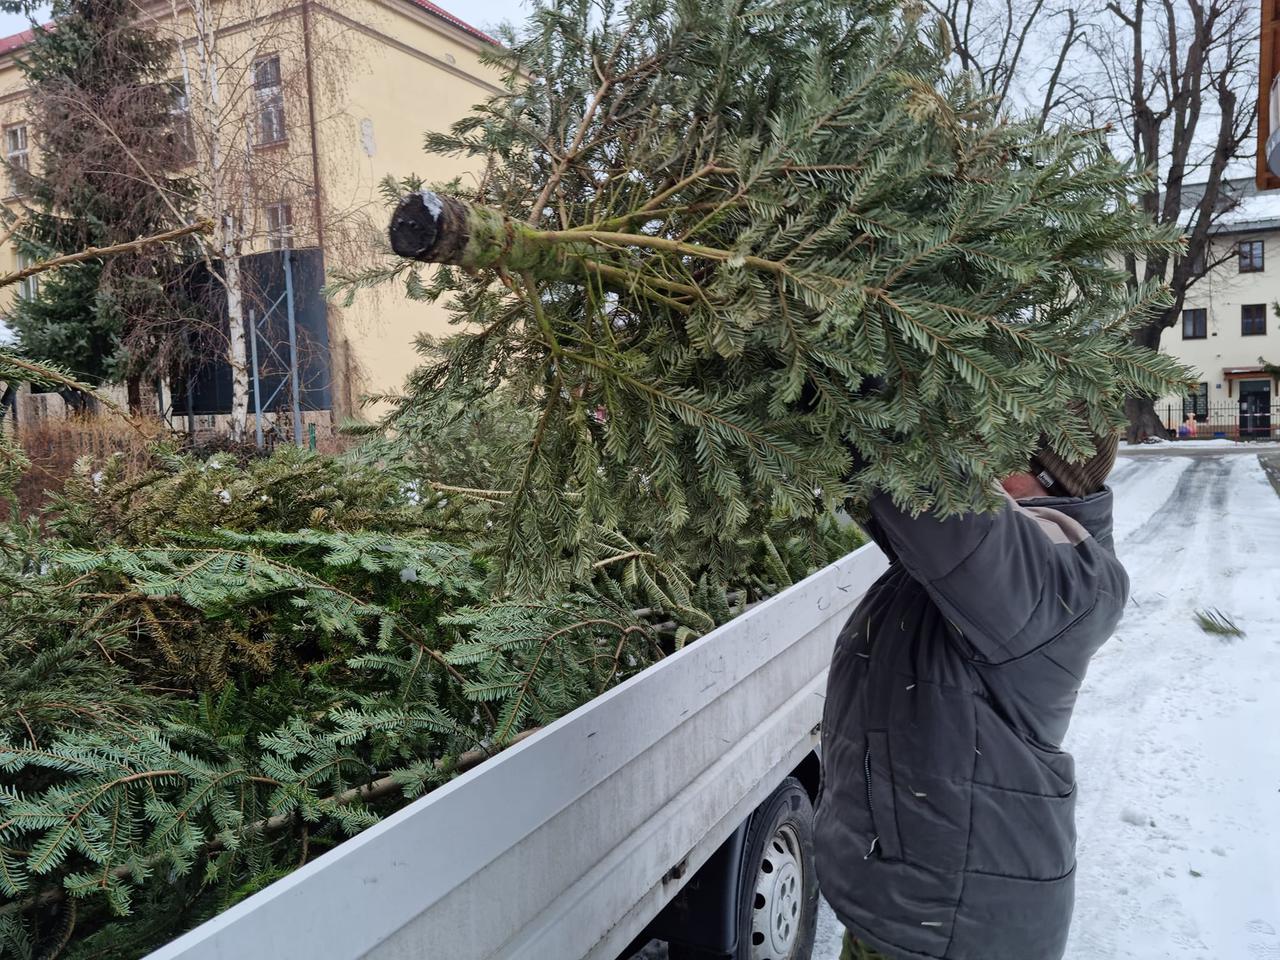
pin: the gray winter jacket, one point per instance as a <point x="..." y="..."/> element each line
<point x="946" y="826"/>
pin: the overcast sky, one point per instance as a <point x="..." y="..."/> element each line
<point x="479" y="13"/>
<point x="13" y="23"/>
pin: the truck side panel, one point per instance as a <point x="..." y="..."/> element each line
<point x="569" y="843"/>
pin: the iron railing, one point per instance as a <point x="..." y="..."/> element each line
<point x="1244" y="419"/>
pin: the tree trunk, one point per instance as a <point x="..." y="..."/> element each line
<point x="79" y="405"/>
<point x="435" y="228"/>
<point x="237" y="355"/>
<point x="1141" y="411"/>
<point x="1143" y="420"/>
<point x="133" y="388"/>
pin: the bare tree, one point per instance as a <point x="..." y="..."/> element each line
<point x="1173" y="82"/>
<point x="1181" y="85"/>
<point x="248" y="77"/>
<point x="1020" y="50"/>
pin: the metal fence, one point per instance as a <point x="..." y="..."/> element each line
<point x="1249" y="418"/>
<point x="286" y="329"/>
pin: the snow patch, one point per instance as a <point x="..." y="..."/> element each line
<point x="1166" y="736"/>
<point x="431" y="200"/>
<point x="1134" y="817"/>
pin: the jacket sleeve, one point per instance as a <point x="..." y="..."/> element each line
<point x="1009" y="581"/>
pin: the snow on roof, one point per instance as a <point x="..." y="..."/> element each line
<point x="19" y="40"/>
<point x="1258" y="209"/>
<point x="1242" y="207"/>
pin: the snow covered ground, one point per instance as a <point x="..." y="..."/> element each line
<point x="1177" y="732"/>
<point x="1159" y="447"/>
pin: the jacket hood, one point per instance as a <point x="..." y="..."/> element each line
<point x="1093" y="512"/>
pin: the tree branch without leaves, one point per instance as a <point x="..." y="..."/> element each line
<point x="96" y="253"/>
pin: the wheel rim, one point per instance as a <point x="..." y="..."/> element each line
<point x="778" y="906"/>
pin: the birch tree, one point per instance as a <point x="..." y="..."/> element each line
<point x="248" y="80"/>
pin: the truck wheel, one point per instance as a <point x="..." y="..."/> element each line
<point x="778" y="900"/>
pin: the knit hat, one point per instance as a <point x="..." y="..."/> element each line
<point x="1064" y="479"/>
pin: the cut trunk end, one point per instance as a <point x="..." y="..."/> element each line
<point x="435" y="228"/>
<point x="432" y="228"/>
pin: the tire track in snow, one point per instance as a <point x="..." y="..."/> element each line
<point x="1186" y="501"/>
<point x="1178" y="841"/>
<point x="1146" y="493"/>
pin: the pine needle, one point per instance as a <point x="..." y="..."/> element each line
<point x="1216" y="622"/>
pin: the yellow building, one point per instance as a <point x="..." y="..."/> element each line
<point x="316" y="101"/>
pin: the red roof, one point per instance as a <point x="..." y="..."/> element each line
<point x="460" y="24"/>
<point x="20" y="40"/>
<point x="17" y="41"/>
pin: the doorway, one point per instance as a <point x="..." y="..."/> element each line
<point x="1255" y="409"/>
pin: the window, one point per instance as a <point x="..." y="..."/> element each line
<point x="183" y="136"/>
<point x="270" y="96"/>
<point x="30" y="287"/>
<point x="1195" y="324"/>
<point x="1197" y="402"/>
<point x="1253" y="320"/>
<point x="280" y="225"/>
<point x="15" y="151"/>
<point x="1250" y="252"/>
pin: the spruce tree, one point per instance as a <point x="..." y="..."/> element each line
<point x="715" y="221"/>
<point x="100" y="110"/>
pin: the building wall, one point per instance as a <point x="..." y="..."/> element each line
<point x="12" y="111"/>
<point x="1221" y="293"/>
<point x="413" y="75"/>
<point x="382" y="73"/>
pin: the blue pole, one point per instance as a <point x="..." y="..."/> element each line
<point x="257" y="384"/>
<point x="293" y="347"/>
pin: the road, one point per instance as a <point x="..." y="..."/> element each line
<point x="1177" y="731"/>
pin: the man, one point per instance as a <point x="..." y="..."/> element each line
<point x="946" y="824"/>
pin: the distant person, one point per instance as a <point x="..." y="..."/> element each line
<point x="1189" y="426"/>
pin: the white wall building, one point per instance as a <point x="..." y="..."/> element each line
<point x="1229" y="332"/>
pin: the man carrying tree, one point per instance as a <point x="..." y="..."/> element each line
<point x="946" y="825"/>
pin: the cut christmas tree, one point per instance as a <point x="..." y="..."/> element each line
<point x="703" y="226"/>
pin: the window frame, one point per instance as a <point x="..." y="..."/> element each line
<point x="268" y="93"/>
<point x="1246" y="319"/>
<point x="29" y="288"/>
<point x="1197" y="403"/>
<point x="279" y="232"/>
<point x="182" y="129"/>
<point x="1188" y="313"/>
<point x="1253" y="264"/>
<point x="24" y="152"/>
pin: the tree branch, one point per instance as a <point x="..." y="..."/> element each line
<point x="95" y="253"/>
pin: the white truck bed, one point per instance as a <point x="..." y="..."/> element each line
<point x="566" y="845"/>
